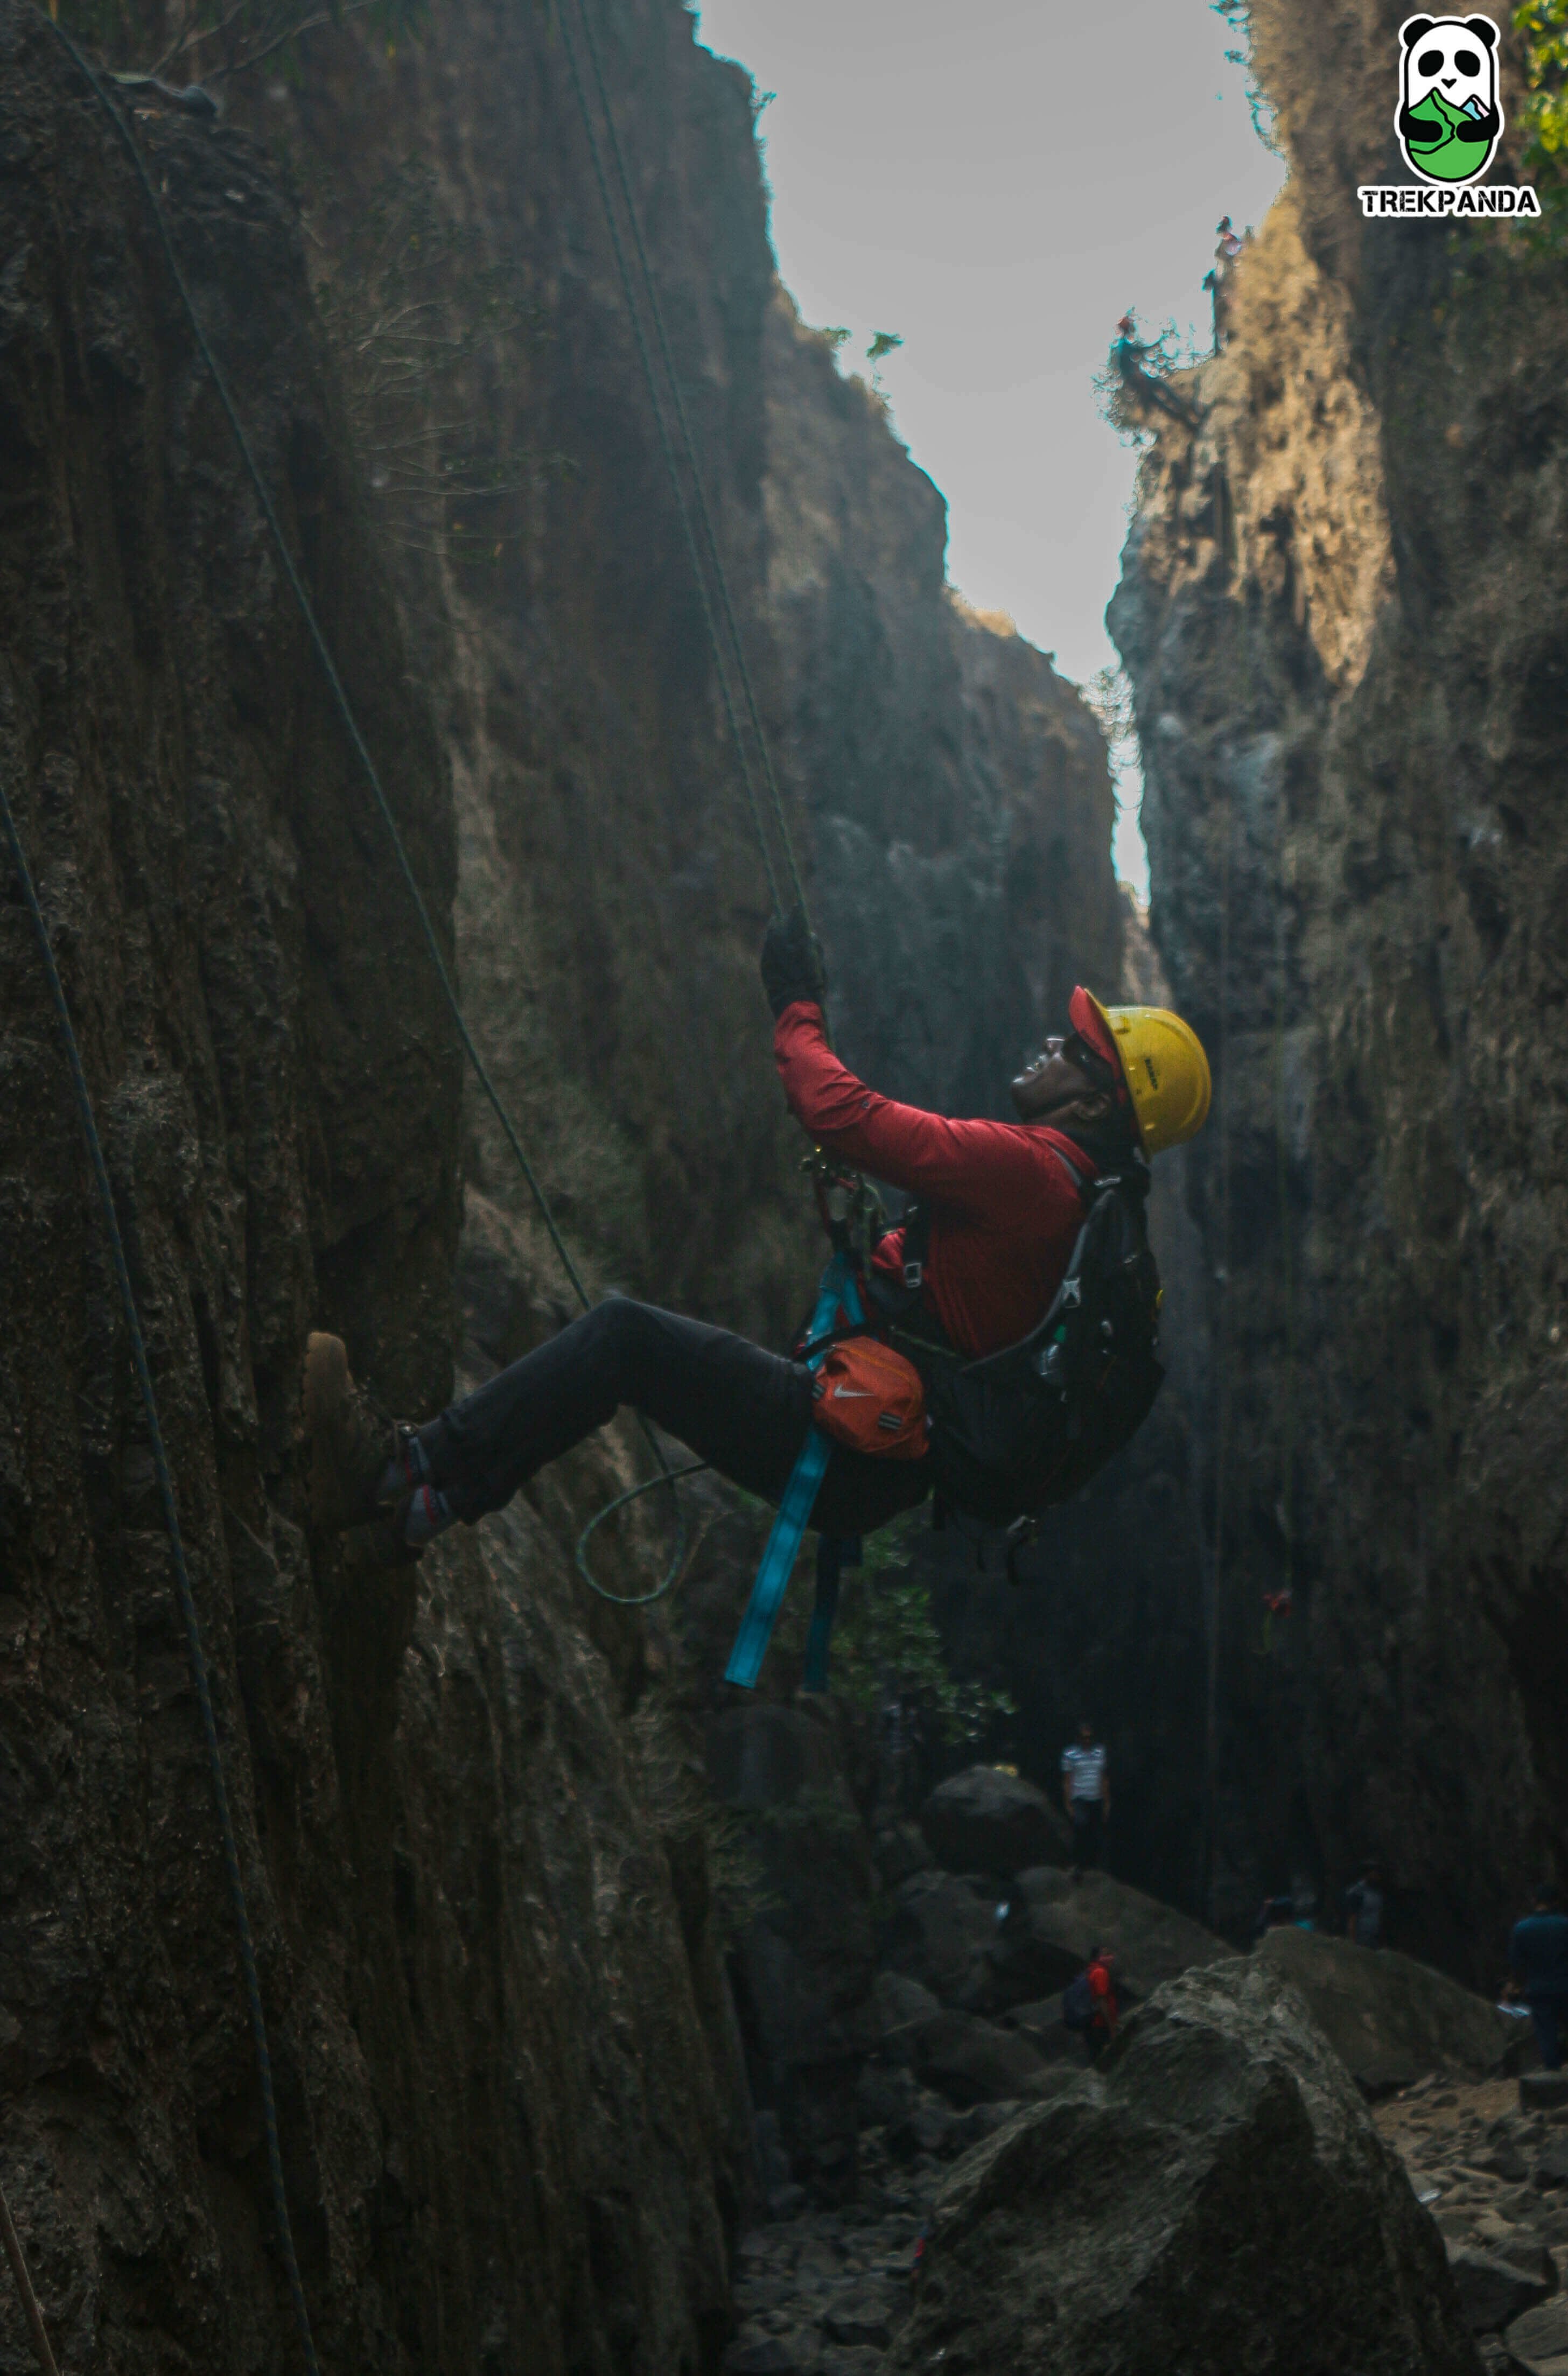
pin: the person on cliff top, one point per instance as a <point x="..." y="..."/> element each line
<point x="1537" y="1957"/>
<point x="1086" y="1794"/>
<point x="1006" y="1205"/>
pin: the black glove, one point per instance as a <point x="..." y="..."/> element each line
<point x="791" y="963"/>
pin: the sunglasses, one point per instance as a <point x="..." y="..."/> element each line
<point x="1088" y="1061"/>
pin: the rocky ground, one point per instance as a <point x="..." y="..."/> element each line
<point x="823" y="2293"/>
<point x="1493" y="2172"/>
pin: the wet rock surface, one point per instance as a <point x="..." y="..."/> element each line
<point x="1216" y="2196"/>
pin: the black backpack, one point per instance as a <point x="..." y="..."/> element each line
<point x="1020" y="1431"/>
<point x="1078" y="2004"/>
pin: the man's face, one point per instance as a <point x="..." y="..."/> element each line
<point x="1086" y="1736"/>
<point x="1057" y="1081"/>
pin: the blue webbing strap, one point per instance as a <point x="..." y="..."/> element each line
<point x="838" y="1292"/>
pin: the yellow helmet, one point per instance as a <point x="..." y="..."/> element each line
<point x="1165" y="1068"/>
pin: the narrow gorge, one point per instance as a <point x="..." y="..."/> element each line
<point x="622" y="2024"/>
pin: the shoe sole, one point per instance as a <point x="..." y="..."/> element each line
<point x="326" y="1386"/>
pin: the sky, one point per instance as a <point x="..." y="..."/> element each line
<point x="995" y="184"/>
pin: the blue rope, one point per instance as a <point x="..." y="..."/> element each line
<point x="181" y="1584"/>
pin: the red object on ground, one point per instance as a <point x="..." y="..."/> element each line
<point x="1005" y="1210"/>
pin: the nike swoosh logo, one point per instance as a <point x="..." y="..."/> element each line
<point x="851" y="1395"/>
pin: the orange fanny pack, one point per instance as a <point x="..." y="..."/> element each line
<point x="870" y="1398"/>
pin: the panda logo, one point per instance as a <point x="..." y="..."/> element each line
<point x="1450" y="119"/>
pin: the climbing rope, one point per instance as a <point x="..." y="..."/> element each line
<point x="181" y="1578"/>
<point x="656" y="310"/>
<point x="351" y="727"/>
<point x="31" y="2310"/>
<point x="1282" y="1182"/>
<point x="1222" y="1331"/>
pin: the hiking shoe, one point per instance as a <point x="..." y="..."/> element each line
<point x="353" y="1468"/>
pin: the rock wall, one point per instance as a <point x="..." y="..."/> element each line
<point x="1342" y="607"/>
<point x="949" y="794"/>
<point x="504" y="2077"/>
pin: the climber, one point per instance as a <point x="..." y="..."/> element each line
<point x="1127" y="356"/>
<point x="1007" y="1203"/>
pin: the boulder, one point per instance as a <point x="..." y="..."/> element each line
<point x="985" y="1821"/>
<point x="1213" y="2200"/>
<point x="1389" y="2019"/>
<point x="926" y="2128"/>
<point x="885" y="2094"/>
<point x="1042" y="2025"/>
<point x="974" y="2061"/>
<point x="1493" y="2290"/>
<point x="943" y="1935"/>
<point x="1054" y="1923"/>
<point x="1538" y="2341"/>
<point x="898" y="1850"/>
<point x="1544" y="2091"/>
<point x="903" y="2008"/>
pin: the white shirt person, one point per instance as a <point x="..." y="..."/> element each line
<point x="1086" y="1794"/>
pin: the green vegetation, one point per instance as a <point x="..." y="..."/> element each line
<point x="887" y="1643"/>
<point x="1542" y="27"/>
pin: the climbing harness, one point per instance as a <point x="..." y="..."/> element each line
<point x="164" y="1475"/>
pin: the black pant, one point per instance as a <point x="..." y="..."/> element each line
<point x="1088" y="1815"/>
<point x="1549" y="2013"/>
<point x="743" y="1411"/>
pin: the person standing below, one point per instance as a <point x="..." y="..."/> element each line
<point x="1363" y="1908"/>
<point x="1090" y="2005"/>
<point x="1086" y="1794"/>
<point x="1537" y="1957"/>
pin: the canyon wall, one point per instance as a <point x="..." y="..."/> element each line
<point x="514" y="2118"/>
<point x="505" y="2079"/>
<point x="1343" y="609"/>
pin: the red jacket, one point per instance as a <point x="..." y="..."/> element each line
<point x="1005" y="1211"/>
